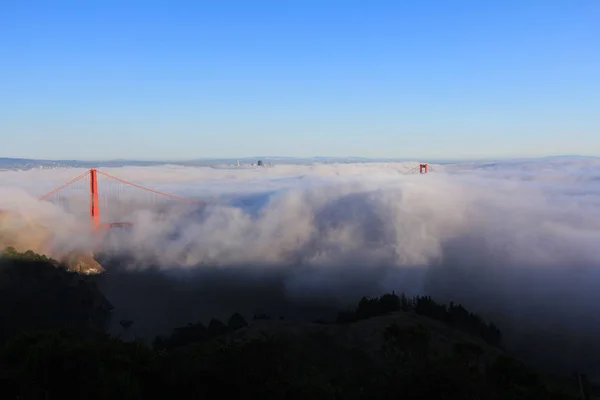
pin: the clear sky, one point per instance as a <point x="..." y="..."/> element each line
<point x="182" y="80"/>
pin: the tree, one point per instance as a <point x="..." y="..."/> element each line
<point x="236" y="321"/>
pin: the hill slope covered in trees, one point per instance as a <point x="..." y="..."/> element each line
<point x="386" y="347"/>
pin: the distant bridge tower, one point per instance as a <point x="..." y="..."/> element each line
<point x="424" y="168"/>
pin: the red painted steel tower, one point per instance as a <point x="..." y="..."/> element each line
<point x="94" y="203"/>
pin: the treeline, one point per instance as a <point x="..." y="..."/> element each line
<point x="453" y="315"/>
<point x="198" y="333"/>
<point x="12" y="254"/>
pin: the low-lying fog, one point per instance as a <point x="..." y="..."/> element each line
<point x="518" y="242"/>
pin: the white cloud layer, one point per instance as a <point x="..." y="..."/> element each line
<point x="515" y="240"/>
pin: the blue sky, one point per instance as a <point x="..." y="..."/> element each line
<point x="183" y="80"/>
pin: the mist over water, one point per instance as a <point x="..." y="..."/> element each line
<point x="515" y="241"/>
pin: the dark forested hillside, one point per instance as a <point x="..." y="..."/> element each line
<point x="36" y="293"/>
<point x="386" y="347"/>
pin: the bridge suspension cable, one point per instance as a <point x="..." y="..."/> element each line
<point x="58" y="189"/>
<point x="150" y="190"/>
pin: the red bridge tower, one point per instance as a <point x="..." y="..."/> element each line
<point x="94" y="202"/>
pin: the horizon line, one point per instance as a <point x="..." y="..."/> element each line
<point x="265" y="158"/>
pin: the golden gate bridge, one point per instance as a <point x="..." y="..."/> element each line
<point x="119" y="199"/>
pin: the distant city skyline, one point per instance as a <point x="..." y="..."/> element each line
<point x="430" y="80"/>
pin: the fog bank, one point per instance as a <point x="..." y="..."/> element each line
<point x="517" y="241"/>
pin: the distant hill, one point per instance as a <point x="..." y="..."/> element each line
<point x="26" y="164"/>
